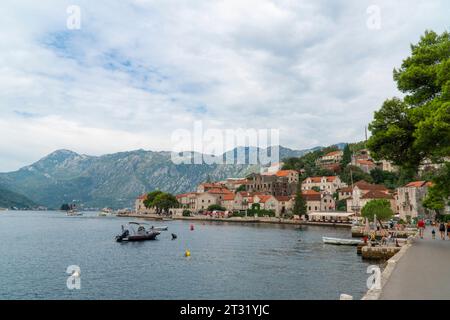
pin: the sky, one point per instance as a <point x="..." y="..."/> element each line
<point x="136" y="71"/>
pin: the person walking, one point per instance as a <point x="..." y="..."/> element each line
<point x="442" y="230"/>
<point x="448" y="230"/>
<point x="421" y="226"/>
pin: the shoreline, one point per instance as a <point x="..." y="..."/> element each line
<point x="278" y="221"/>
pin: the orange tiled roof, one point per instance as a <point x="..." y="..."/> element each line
<point x="363" y="185"/>
<point x="310" y="192"/>
<point x="418" y="184"/>
<point x="285" y="173"/>
<point x="375" y="194"/>
<point x="365" y="162"/>
<point x="311" y="196"/>
<point x="333" y="153"/>
<point x="228" y="197"/>
<point x="319" y="179"/>
<point x="219" y="191"/>
<point x="283" y="198"/>
<point x="264" y="198"/>
<point x="142" y="197"/>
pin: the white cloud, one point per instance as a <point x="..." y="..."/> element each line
<point x="138" y="70"/>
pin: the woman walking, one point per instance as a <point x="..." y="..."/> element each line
<point x="448" y="230"/>
<point x="442" y="230"/>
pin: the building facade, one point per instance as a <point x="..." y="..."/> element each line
<point x="409" y="199"/>
<point x="329" y="184"/>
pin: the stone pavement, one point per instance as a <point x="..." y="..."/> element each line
<point x="423" y="273"/>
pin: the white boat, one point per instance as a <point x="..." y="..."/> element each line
<point x="73" y="213"/>
<point x="161" y="228"/>
<point x="341" y="242"/>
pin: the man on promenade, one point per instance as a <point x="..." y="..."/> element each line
<point x="421" y="226"/>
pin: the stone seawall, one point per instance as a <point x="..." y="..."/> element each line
<point x="379" y="253"/>
<point x="375" y="293"/>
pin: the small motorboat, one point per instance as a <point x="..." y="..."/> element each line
<point x="161" y="228"/>
<point x="341" y="242"/>
<point x="73" y="213"/>
<point x="138" y="234"/>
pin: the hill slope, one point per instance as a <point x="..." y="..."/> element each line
<point x="9" y="199"/>
<point x="116" y="179"/>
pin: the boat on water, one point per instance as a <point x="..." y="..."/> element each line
<point x="135" y="231"/>
<point x="161" y="228"/>
<point x="73" y="213"/>
<point x="341" y="242"/>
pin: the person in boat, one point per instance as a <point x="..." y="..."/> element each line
<point x="141" y="230"/>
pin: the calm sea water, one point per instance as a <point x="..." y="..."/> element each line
<point x="228" y="261"/>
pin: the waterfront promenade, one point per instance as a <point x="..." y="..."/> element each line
<point x="423" y="273"/>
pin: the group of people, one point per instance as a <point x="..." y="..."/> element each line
<point x="444" y="229"/>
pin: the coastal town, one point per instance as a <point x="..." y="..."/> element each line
<point x="272" y="193"/>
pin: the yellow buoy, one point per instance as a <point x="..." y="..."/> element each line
<point x="187" y="253"/>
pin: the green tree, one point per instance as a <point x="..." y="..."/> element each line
<point x="347" y="156"/>
<point x="65" y="207"/>
<point x="341" y="205"/>
<point x="164" y="201"/>
<point x="240" y="188"/>
<point x="216" y="207"/>
<point x="300" y="202"/>
<point x="148" y="203"/>
<point x="439" y="193"/>
<point x="379" y="207"/>
<point x="354" y="174"/>
<point x="418" y="127"/>
<point x="389" y="179"/>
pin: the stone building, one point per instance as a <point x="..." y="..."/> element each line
<point x="409" y="199"/>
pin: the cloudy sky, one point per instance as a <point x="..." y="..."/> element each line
<point x="137" y="70"/>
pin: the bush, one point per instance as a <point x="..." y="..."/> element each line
<point x="186" y="213"/>
<point x="238" y="214"/>
<point x="261" y="213"/>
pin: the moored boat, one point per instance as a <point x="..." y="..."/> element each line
<point x="341" y="242"/>
<point x="161" y="228"/>
<point x="73" y="213"/>
<point x="138" y="234"/>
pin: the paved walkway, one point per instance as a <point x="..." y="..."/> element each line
<point x="423" y="273"/>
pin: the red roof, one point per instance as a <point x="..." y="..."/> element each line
<point x="365" y="162"/>
<point x="310" y="192"/>
<point x="319" y="179"/>
<point x="418" y="184"/>
<point x="283" y="198"/>
<point x="363" y="185"/>
<point x="285" y="173"/>
<point x="375" y="194"/>
<point x="311" y="196"/>
<point x="219" y="191"/>
<point x="264" y="198"/>
<point x="228" y="197"/>
<point x="333" y="153"/>
<point x="142" y="197"/>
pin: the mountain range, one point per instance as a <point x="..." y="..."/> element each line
<point x="114" y="180"/>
